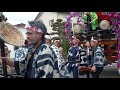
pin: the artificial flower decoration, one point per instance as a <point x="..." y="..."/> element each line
<point x="103" y="16"/>
<point x="68" y="29"/>
<point x="93" y="17"/>
<point x="115" y="20"/>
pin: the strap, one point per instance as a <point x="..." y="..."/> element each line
<point x="31" y="52"/>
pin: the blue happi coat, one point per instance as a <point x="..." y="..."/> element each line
<point x="73" y="56"/>
<point x="42" y="65"/>
<point x="98" y="58"/>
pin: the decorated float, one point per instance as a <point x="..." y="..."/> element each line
<point x="104" y="25"/>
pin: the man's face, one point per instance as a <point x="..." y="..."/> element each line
<point x="47" y="41"/>
<point x="33" y="37"/>
<point x="93" y="43"/>
<point x="75" y="41"/>
<point x="87" y="44"/>
<point x="56" y="43"/>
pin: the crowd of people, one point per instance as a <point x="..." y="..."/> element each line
<point x="41" y="58"/>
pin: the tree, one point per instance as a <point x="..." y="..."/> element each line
<point x="59" y="27"/>
<point x="2" y="17"/>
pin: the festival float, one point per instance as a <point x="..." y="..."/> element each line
<point x="104" y="25"/>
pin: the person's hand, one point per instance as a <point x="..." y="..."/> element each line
<point x="93" y="69"/>
<point x="65" y="62"/>
<point x="0" y="60"/>
<point x="79" y="68"/>
<point x="119" y="68"/>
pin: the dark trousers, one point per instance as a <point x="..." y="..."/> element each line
<point x="74" y="70"/>
<point x="97" y="73"/>
<point x="88" y="74"/>
<point x="89" y="28"/>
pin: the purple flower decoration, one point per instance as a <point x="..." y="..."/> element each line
<point x="72" y="14"/>
<point x="69" y="36"/>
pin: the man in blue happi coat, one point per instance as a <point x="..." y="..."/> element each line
<point x="73" y="57"/>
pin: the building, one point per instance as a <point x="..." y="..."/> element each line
<point x="50" y="17"/>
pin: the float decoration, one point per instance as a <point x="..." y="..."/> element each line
<point x="115" y="20"/>
<point x="68" y="29"/>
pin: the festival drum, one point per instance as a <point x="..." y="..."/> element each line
<point x="104" y="24"/>
<point x="11" y="35"/>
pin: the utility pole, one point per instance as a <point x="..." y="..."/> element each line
<point x="2" y="46"/>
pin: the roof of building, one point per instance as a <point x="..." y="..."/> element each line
<point x="20" y="25"/>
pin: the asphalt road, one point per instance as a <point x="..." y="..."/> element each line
<point x="108" y="72"/>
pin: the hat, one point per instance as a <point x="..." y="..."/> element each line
<point x="93" y="39"/>
<point x="56" y="40"/>
<point x="37" y="26"/>
<point x="73" y="37"/>
<point x="48" y="37"/>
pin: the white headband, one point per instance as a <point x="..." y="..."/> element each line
<point x="33" y="28"/>
<point x="56" y="40"/>
<point x="48" y="37"/>
<point x="93" y="39"/>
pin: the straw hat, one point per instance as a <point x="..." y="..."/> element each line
<point x="10" y="34"/>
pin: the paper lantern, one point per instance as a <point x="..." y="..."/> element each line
<point x="104" y="24"/>
<point x="76" y="29"/>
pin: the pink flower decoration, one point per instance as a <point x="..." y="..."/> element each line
<point x="66" y="31"/>
<point x="119" y="56"/>
<point x="69" y="36"/>
<point x="72" y="14"/>
<point x="66" y="25"/>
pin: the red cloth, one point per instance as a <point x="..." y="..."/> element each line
<point x="103" y="17"/>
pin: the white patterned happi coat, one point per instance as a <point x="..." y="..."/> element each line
<point x="59" y="56"/>
<point x="42" y="65"/>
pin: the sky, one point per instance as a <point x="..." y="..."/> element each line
<point x="20" y="17"/>
<point x="17" y="18"/>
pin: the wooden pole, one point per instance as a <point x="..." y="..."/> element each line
<point x="73" y="27"/>
<point x="3" y="49"/>
<point x="3" y="60"/>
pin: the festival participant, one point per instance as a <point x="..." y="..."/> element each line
<point x="59" y="63"/>
<point x="98" y="58"/>
<point x="73" y="58"/>
<point x="39" y="62"/>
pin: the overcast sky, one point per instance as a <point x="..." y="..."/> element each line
<point x="20" y="17"/>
